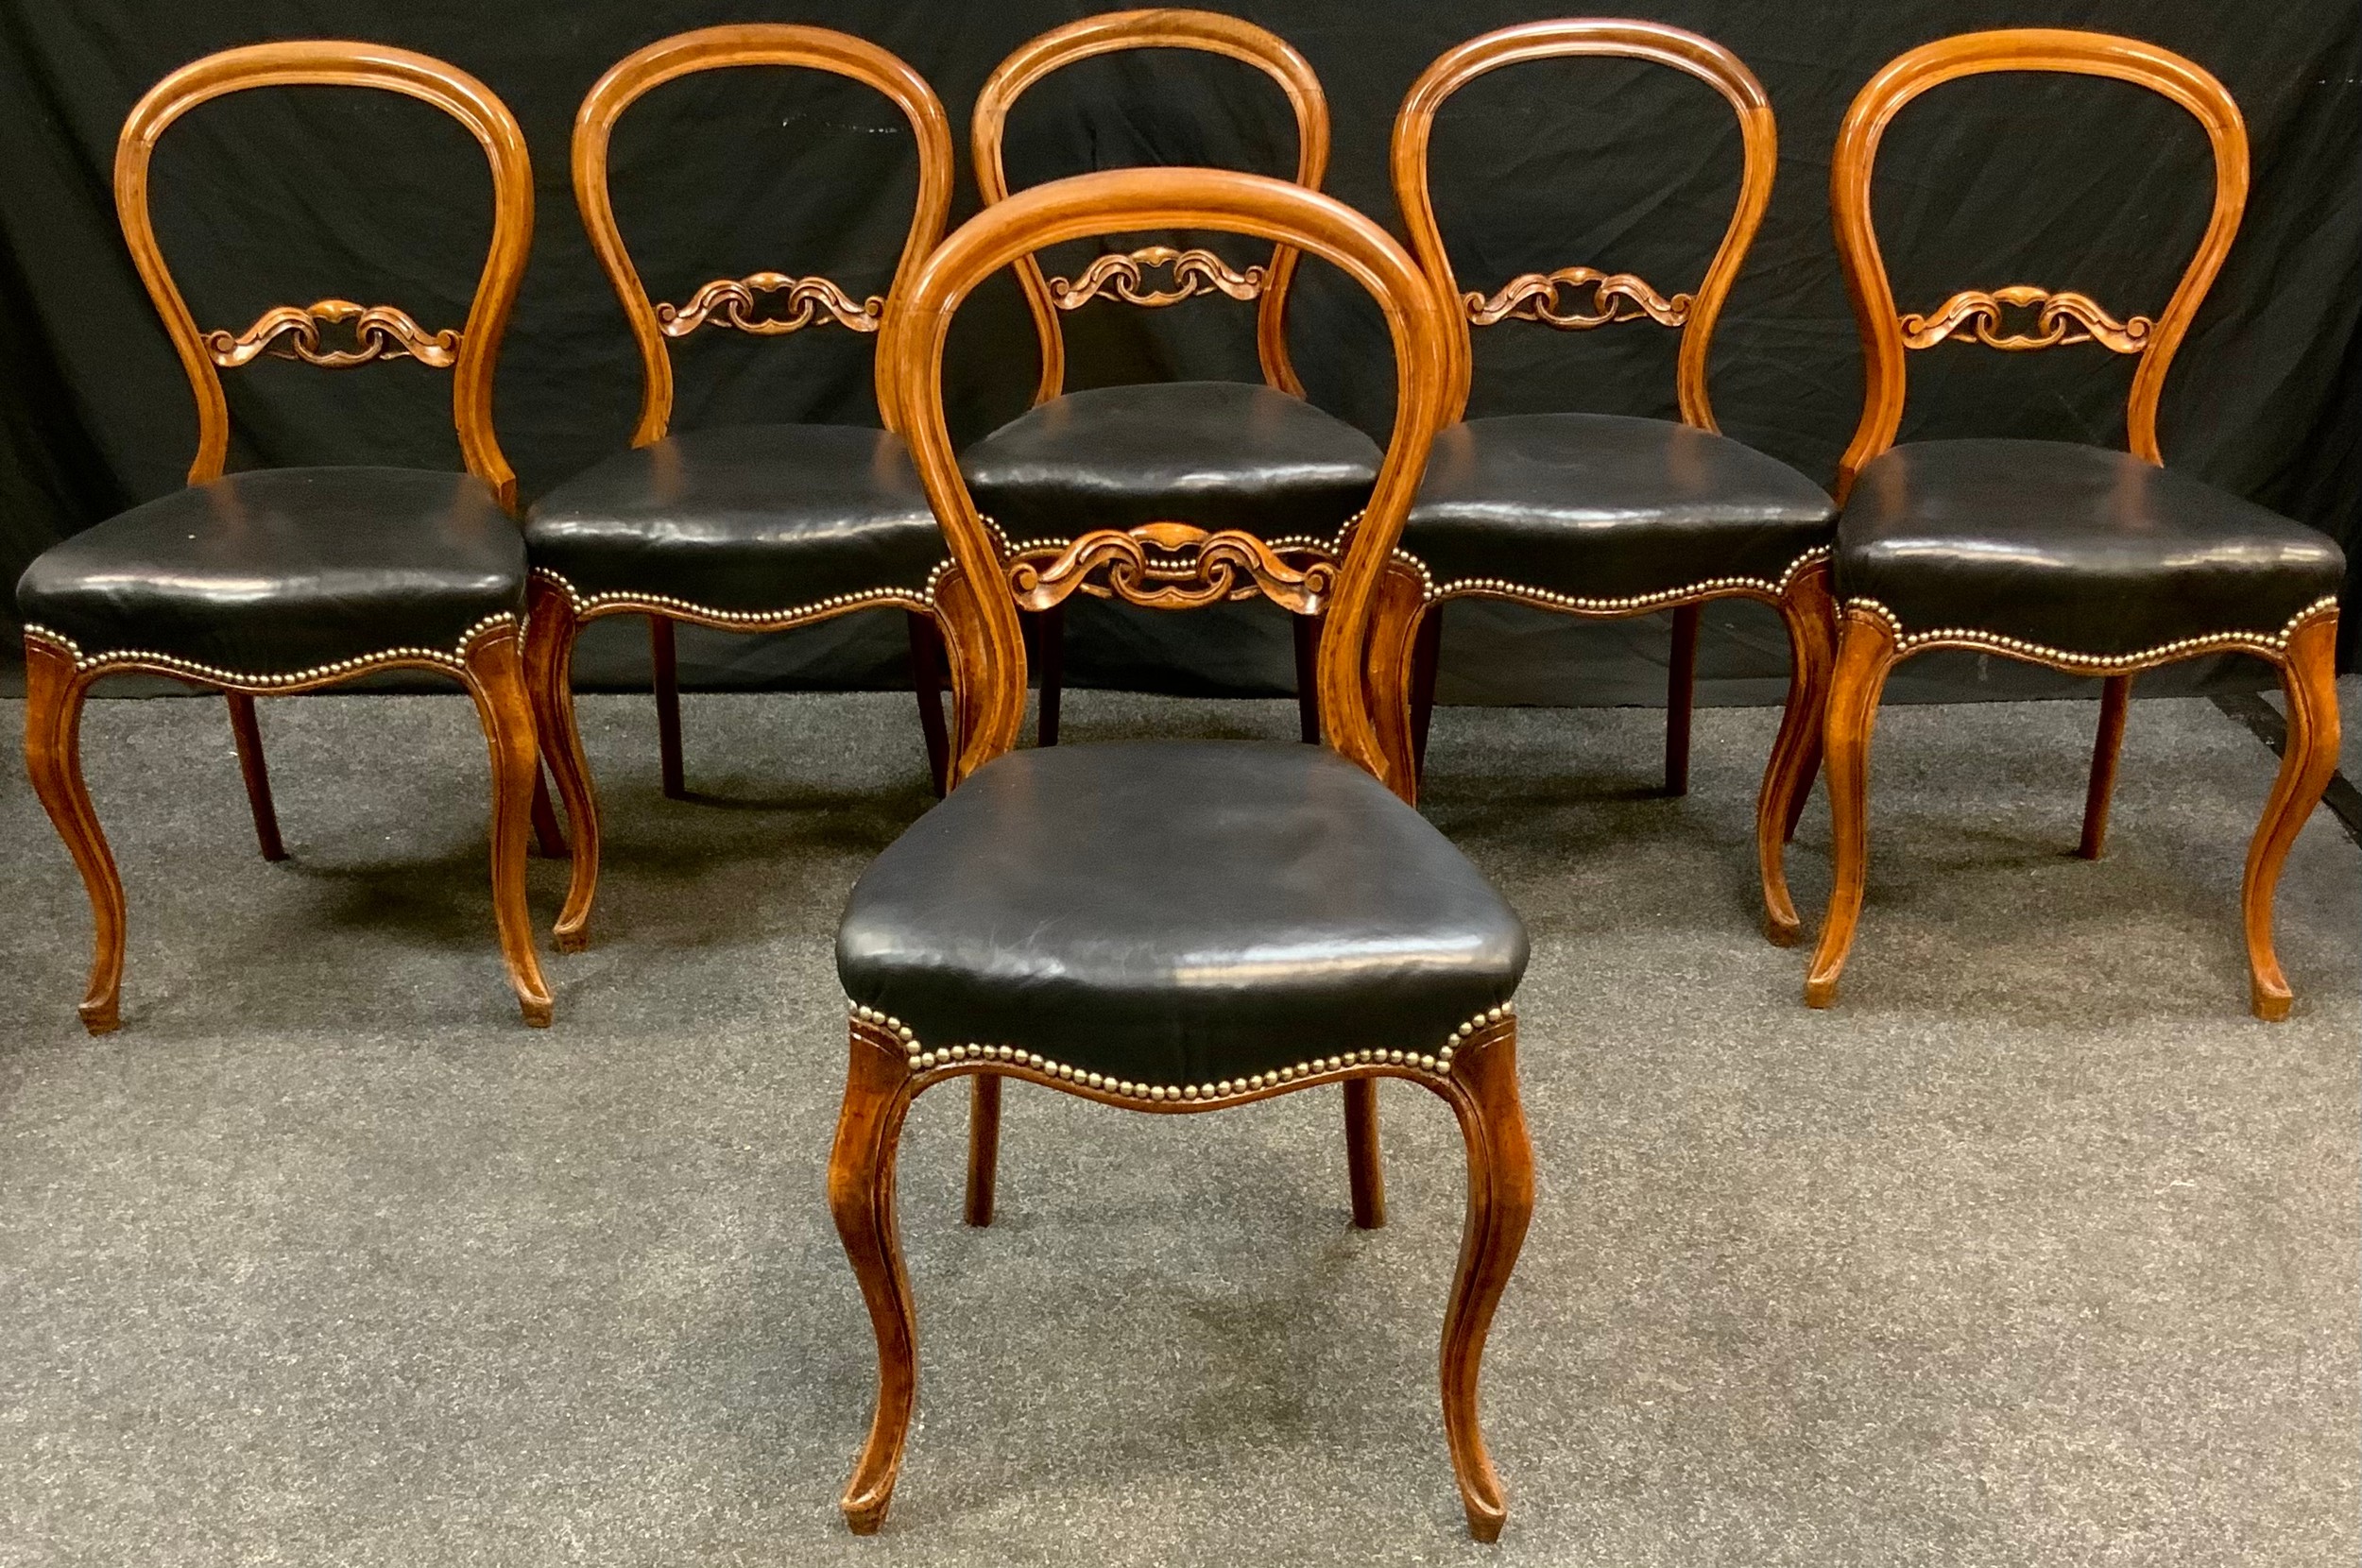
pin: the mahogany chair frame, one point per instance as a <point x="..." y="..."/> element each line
<point x="1872" y="642"/>
<point x="1474" y="1072"/>
<point x="1410" y="623"/>
<point x="1126" y="277"/>
<point x="490" y="663"/>
<point x="558" y="612"/>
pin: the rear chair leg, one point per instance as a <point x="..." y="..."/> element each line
<point x="1049" y="627"/>
<point x="53" y="755"/>
<point x="2308" y="677"/>
<point x="1681" y="696"/>
<point x="927" y="661"/>
<point x="984" y="1147"/>
<point x="2115" y="697"/>
<point x="665" y="659"/>
<point x="1426" y="658"/>
<point x="248" y="736"/>
<point x="1305" y="631"/>
<point x="1364" y="1169"/>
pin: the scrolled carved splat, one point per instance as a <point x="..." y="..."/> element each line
<point x="293" y="332"/>
<point x="731" y="302"/>
<point x="1121" y="275"/>
<point x="1614" y="296"/>
<point x="1168" y="566"/>
<point x="2065" y="317"/>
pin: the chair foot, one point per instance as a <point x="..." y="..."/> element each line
<point x="1810" y="617"/>
<point x="1865" y="653"/>
<point x="54" y="692"/>
<point x="2308" y="679"/>
<point x="860" y="1198"/>
<point x="551" y="627"/>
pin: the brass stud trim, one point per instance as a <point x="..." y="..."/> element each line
<point x="586" y="605"/>
<point x="2185" y="647"/>
<point x="1704" y="588"/>
<point x="150" y="661"/>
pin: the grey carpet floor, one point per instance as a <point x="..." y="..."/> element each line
<point x="2037" y="1250"/>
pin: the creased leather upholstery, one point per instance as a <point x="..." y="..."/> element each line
<point x="282" y="570"/>
<point x="2071" y="547"/>
<point x="1177" y="911"/>
<point x="1604" y="506"/>
<point x="747" y="518"/>
<point x="1215" y="453"/>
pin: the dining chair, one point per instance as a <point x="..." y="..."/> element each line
<point x="1214" y="454"/>
<point x="1172" y="926"/>
<point x="280" y="580"/>
<point x="2095" y="562"/>
<point x="747" y="528"/>
<point x="1608" y="516"/>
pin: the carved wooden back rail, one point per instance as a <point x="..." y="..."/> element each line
<point x="1613" y="296"/>
<point x="737" y="302"/>
<point x="979" y="594"/>
<point x="2062" y="317"/>
<point x="293" y="332"/>
<point x="1124" y="276"/>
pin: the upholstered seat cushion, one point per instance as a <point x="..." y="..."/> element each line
<point x="1603" y="506"/>
<point x="2070" y="547"/>
<point x="1216" y="454"/>
<point x="280" y="571"/>
<point x="749" y="518"/>
<point x="1176" y="912"/>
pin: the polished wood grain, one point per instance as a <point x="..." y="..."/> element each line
<point x="293" y="332"/>
<point x="1359" y="692"/>
<point x="53" y="691"/>
<point x="1618" y="296"/>
<point x="1112" y="32"/>
<point x="1870" y="648"/>
<point x="1884" y="329"/>
<point x="336" y="63"/>
<point x="2308" y="681"/>
<point x="1810" y="616"/>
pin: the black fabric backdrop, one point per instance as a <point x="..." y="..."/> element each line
<point x="291" y="195"/>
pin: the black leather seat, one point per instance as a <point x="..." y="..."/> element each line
<point x="281" y="571"/>
<point x="1606" y="506"/>
<point x="1216" y="454"/>
<point x="744" y="519"/>
<point x="1174" y="912"/>
<point x="2071" y="547"/>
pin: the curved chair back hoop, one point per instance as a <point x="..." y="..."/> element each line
<point x="1194" y="272"/>
<point x="733" y="302"/>
<point x="1617" y="297"/>
<point x="2065" y="317"/>
<point x="379" y="330"/>
<point x="988" y="656"/>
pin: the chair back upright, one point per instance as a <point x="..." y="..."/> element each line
<point x="1613" y="296"/>
<point x="1121" y="275"/>
<point x="2061" y="317"/>
<point x="979" y="596"/>
<point x="737" y="302"/>
<point x="376" y="332"/>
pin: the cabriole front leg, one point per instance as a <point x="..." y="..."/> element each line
<point x="1810" y="617"/>
<point x="1865" y="653"/>
<point x="496" y="677"/>
<point x="1500" y="1203"/>
<point x="551" y="627"/>
<point x="54" y="692"/>
<point x="2308" y="678"/>
<point x="860" y="1197"/>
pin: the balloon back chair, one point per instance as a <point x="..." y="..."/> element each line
<point x="1600" y="515"/>
<point x="1172" y="926"/>
<point x="1211" y="454"/>
<point x="748" y="528"/>
<point x="2095" y="562"/>
<point x="283" y="580"/>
